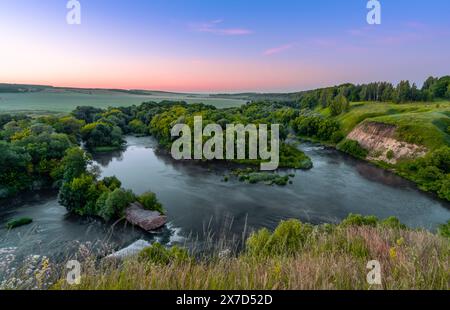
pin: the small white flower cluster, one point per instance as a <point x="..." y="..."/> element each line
<point x="7" y="257"/>
<point x="32" y="273"/>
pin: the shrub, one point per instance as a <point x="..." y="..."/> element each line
<point x="158" y="254"/>
<point x="287" y="239"/>
<point x="353" y="148"/>
<point x="390" y="154"/>
<point x="258" y="242"/>
<point x="444" y="230"/>
<point x="444" y="192"/>
<point x="80" y="195"/>
<point x="115" y="203"/>
<point x="393" y="222"/>
<point x="18" y="222"/>
<point x="111" y="183"/>
<point x="359" y="220"/>
<point x="337" y="137"/>
<point x="149" y="201"/>
<point x="138" y="127"/>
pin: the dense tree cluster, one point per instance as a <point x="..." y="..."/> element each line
<point x="157" y="119"/>
<point x="42" y="152"/>
<point x="318" y="127"/>
<point x="337" y="98"/>
<point x="82" y="193"/>
<point x="31" y="152"/>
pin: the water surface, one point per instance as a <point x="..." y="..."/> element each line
<point x="199" y="203"/>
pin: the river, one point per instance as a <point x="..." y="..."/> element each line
<point x="200" y="205"/>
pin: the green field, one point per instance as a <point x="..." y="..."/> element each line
<point x="68" y="100"/>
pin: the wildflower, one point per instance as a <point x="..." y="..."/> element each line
<point x="393" y="253"/>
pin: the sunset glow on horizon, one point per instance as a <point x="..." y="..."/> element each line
<point x="228" y="46"/>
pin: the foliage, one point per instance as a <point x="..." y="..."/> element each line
<point x="150" y="202"/>
<point x="359" y="220"/>
<point x="138" y="127"/>
<point x="253" y="177"/>
<point x="339" y="105"/>
<point x="87" y="113"/>
<point x="31" y="153"/>
<point x="393" y="223"/>
<point x="287" y="239"/>
<point x="444" y="230"/>
<point x="331" y="258"/>
<point x="85" y="195"/>
<point x="100" y="134"/>
<point x="159" y="255"/>
<point x="18" y="222"/>
<point x="115" y="203"/>
<point x="390" y="154"/>
<point x="353" y="148"/>
<point x="80" y="195"/>
<point x="431" y="173"/>
<point x="14" y="169"/>
<point x="73" y="164"/>
<point x="317" y="126"/>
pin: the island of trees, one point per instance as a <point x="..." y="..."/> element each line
<point x="44" y="151"/>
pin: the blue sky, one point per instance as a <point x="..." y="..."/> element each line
<point x="219" y="45"/>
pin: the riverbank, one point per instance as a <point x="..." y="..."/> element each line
<point x="294" y="256"/>
<point x="412" y="140"/>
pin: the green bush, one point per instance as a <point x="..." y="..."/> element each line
<point x="359" y="220"/>
<point x="287" y="239"/>
<point x="158" y="254"/>
<point x="337" y="137"/>
<point x="431" y="173"/>
<point x="258" y="242"/>
<point x="115" y="203"/>
<point x="353" y="148"/>
<point x="444" y="230"/>
<point x="390" y="154"/>
<point x="149" y="201"/>
<point x="80" y="194"/>
<point x="392" y="222"/>
<point x="19" y="222"/>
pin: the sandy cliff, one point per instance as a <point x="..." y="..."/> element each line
<point x="379" y="139"/>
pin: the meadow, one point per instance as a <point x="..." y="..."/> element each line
<point x="294" y="256"/>
<point x="67" y="100"/>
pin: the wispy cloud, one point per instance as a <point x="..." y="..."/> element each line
<point x="214" y="27"/>
<point x="278" y="49"/>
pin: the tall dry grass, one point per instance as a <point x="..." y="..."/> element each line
<point x="334" y="257"/>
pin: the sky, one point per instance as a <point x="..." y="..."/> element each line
<point x="222" y="45"/>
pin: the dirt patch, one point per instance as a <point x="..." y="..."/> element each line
<point x="379" y="139"/>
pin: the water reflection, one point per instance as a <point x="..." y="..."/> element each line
<point x="202" y="207"/>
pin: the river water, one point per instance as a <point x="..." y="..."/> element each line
<point x="201" y="205"/>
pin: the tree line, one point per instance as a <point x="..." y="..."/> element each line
<point x="337" y="98"/>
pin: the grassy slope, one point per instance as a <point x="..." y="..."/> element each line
<point x="426" y="123"/>
<point x="330" y="257"/>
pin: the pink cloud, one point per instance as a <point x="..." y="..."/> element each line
<point x="213" y="27"/>
<point x="278" y="49"/>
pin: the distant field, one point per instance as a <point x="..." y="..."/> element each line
<point x="66" y="101"/>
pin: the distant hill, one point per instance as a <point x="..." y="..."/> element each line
<point x="21" y="88"/>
